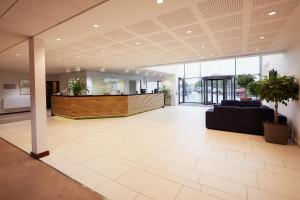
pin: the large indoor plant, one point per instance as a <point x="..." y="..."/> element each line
<point x="76" y="86"/>
<point x="167" y="96"/>
<point x="280" y="90"/>
<point x="244" y="81"/>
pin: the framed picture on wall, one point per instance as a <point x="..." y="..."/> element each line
<point x="24" y="87"/>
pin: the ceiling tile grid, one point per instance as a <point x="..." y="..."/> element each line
<point x="192" y="29"/>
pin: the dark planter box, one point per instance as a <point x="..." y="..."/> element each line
<point x="276" y="133"/>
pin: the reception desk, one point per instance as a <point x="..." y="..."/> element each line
<point x="94" y="106"/>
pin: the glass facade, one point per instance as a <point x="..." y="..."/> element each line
<point x="191" y="76"/>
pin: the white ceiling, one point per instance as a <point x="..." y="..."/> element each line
<point x="140" y="33"/>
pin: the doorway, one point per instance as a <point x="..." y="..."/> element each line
<point x="52" y="87"/>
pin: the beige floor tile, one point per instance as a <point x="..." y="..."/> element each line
<point x="293" y="165"/>
<point x="282" y="185"/>
<point x="106" y="167"/>
<point x="219" y="194"/>
<point x="88" y="178"/>
<point x="52" y="159"/>
<point x="224" y="185"/>
<point x="255" y="194"/>
<point x="126" y="155"/>
<point x="174" y="178"/>
<point x="190" y="194"/>
<point x="230" y="173"/>
<point x="283" y="170"/>
<point x="151" y="162"/>
<point x="150" y="185"/>
<point x="67" y="167"/>
<point x="115" y="191"/>
<point x="189" y="174"/>
<point x="178" y="158"/>
<point x="142" y="197"/>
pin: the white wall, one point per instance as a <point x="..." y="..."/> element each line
<point x="11" y="78"/>
<point x="287" y="63"/>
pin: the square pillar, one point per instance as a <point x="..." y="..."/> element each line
<point x="38" y="98"/>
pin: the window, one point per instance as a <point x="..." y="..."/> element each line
<point x="192" y="70"/>
<point x="218" y="67"/>
<point x="177" y="69"/>
<point x="151" y="86"/>
<point x="247" y="65"/>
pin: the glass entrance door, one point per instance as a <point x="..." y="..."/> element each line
<point x="180" y="90"/>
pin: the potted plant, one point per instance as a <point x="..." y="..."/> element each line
<point x="277" y="89"/>
<point x="167" y="96"/>
<point x="244" y="81"/>
<point x="76" y="86"/>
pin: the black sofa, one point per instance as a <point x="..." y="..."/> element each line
<point x="240" y="116"/>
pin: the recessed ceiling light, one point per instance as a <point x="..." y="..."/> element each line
<point x="58" y="60"/>
<point x="126" y="70"/>
<point x="137" y="43"/>
<point x="77" y="56"/>
<point x="202" y="47"/>
<point x="272" y="13"/>
<point x="95" y="25"/>
<point x="17" y="54"/>
<point x="261" y="37"/>
<point x="256" y="49"/>
<point x="102" y="50"/>
<point x="102" y="69"/>
<point x="210" y="55"/>
<point x="161" y="53"/>
<point x="58" y="39"/>
<point x="189" y="31"/>
<point x="159" y="1"/>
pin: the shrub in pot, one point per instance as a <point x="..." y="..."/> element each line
<point x="167" y="96"/>
<point x="76" y="86"/>
<point x="244" y="81"/>
<point x="280" y="90"/>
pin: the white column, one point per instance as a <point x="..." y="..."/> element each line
<point x="38" y="98"/>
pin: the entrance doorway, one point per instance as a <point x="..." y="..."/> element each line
<point x="206" y="90"/>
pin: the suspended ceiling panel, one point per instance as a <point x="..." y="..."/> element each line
<point x="140" y="33"/>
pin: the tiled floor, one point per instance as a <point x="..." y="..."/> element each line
<point x="166" y="154"/>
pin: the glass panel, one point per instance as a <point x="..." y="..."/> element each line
<point x="177" y="69"/>
<point x="192" y="90"/>
<point x="218" y="68"/>
<point x="192" y="70"/>
<point x="151" y="86"/>
<point x="247" y="65"/>
<point x="180" y="93"/>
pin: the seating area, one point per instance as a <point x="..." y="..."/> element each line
<point x="241" y="116"/>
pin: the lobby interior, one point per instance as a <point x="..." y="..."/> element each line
<point x="120" y="138"/>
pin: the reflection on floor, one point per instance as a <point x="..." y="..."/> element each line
<point x="25" y="178"/>
<point x="16" y="117"/>
<point x="166" y="154"/>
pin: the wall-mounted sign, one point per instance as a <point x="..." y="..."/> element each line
<point x="24" y="87"/>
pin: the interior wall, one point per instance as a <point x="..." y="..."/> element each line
<point x="12" y="78"/>
<point x="287" y="63"/>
